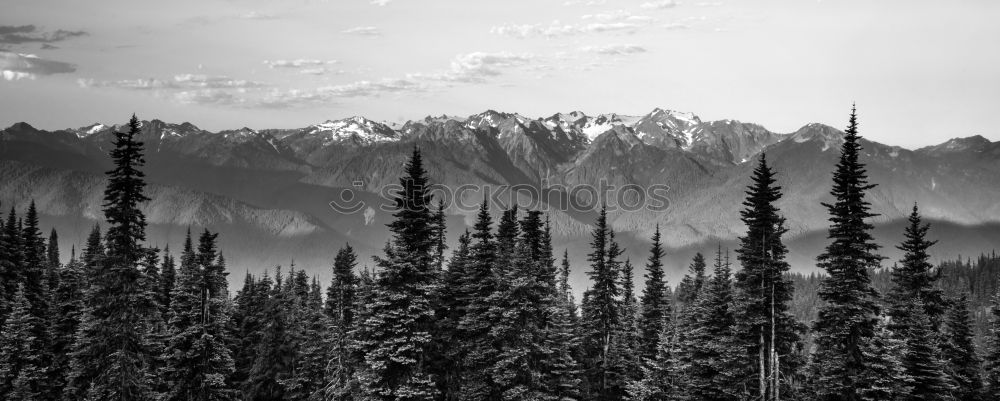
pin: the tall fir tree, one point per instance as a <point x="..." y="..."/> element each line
<point x="710" y="368"/>
<point x="914" y="279"/>
<point x="197" y="357"/>
<point x="451" y="310"/>
<point x="309" y="380"/>
<point x="397" y="335"/>
<point x="110" y="357"/>
<point x="168" y="277"/>
<point x="602" y="316"/>
<point x="992" y="368"/>
<point x="654" y="304"/>
<point x="66" y="314"/>
<point x="275" y="352"/>
<point x="768" y="331"/>
<point x="848" y="316"/>
<point x="921" y="361"/>
<point x="885" y="377"/>
<point x="691" y="283"/>
<point x="477" y="353"/>
<point x="52" y="262"/>
<point x="10" y="250"/>
<point x="22" y="356"/>
<point x="341" y="308"/>
<point x="629" y="328"/>
<point x="959" y="351"/>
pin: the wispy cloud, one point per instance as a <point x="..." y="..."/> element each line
<point x="614" y="50"/>
<point x="477" y="67"/>
<point x="305" y="66"/>
<point x="380" y="2"/>
<point x="470" y="68"/>
<point x="256" y="15"/>
<point x="15" y="66"/>
<point x="585" y="3"/>
<point x="19" y="34"/>
<point x="363" y="31"/>
<point x="298" y="63"/>
<point x="619" y="15"/>
<point x="555" y="29"/>
<point x="182" y="81"/>
<point x="658" y="5"/>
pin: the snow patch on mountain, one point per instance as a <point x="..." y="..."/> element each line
<point x="358" y="128"/>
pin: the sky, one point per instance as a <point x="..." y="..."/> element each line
<point x="920" y="72"/>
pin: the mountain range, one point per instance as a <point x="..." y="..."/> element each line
<point x="268" y="191"/>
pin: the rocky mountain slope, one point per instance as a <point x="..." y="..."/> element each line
<point x="278" y="183"/>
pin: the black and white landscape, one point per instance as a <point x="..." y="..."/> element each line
<point x="225" y="201"/>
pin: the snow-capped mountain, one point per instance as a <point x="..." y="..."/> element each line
<point x="286" y="172"/>
<point x="358" y="129"/>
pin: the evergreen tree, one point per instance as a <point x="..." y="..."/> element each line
<point x="93" y="255"/>
<point x="22" y="370"/>
<point x="65" y="317"/>
<point x="691" y="283"/>
<point x="992" y="372"/>
<point x="885" y="377"/>
<point x="921" y="361"/>
<point x="959" y="352"/>
<point x="655" y="305"/>
<point x="847" y="318"/>
<point x="601" y="316"/>
<point x="914" y="279"/>
<point x="168" y="276"/>
<point x="197" y="357"/>
<point x="10" y="251"/>
<point x="561" y="375"/>
<point x="629" y="327"/>
<point x="476" y="353"/>
<point x="397" y="335"/>
<point x="309" y="378"/>
<point x="440" y="235"/>
<point x="768" y="331"/>
<point x="341" y="308"/>
<point x="659" y="375"/>
<point x="109" y="357"/>
<point x="451" y="310"/>
<point x="52" y="263"/>
<point x="275" y="352"/>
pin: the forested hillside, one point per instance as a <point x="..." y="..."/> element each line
<point x="494" y="317"/>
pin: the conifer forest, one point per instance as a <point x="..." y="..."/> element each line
<point x="494" y="317"/>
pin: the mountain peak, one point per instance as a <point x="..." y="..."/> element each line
<point x="358" y="128"/>
<point x="830" y="137"/>
<point x="954" y="145"/>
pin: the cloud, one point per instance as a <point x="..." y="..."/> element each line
<point x="373" y="88"/>
<point x="470" y="68"/>
<point x="614" y="50"/>
<point x="363" y="31"/>
<point x="380" y="2"/>
<point x="658" y="5"/>
<point x="258" y="16"/>
<point x="476" y="67"/>
<point x="298" y="63"/>
<point x="13" y="35"/>
<point x="530" y="30"/>
<point x="182" y="81"/>
<point x="15" y="66"/>
<point x="619" y="15"/>
<point x="305" y="66"/>
<point x="585" y="3"/>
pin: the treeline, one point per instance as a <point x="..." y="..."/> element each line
<point x="495" y="318"/>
